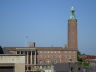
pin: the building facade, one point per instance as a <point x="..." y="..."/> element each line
<point x="41" y="57"/>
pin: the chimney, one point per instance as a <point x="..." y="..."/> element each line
<point x="31" y="44"/>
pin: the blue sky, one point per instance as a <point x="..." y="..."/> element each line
<point x="46" y="23"/>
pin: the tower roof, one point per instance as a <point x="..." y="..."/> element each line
<point x="72" y="13"/>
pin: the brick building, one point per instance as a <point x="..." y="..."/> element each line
<point x="38" y="58"/>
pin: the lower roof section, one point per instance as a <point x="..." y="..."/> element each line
<point x="40" y="48"/>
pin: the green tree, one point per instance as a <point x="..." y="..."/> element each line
<point x="81" y="61"/>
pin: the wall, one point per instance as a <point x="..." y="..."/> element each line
<point x="18" y="61"/>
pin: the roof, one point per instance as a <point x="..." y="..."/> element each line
<point x="6" y="51"/>
<point x="12" y="55"/>
<point x="40" y="48"/>
<point x="53" y="49"/>
<point x="89" y="57"/>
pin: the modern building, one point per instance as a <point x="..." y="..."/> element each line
<point x="12" y="63"/>
<point x="67" y="67"/>
<point x="41" y="58"/>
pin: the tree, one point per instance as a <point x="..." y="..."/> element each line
<point x="81" y="61"/>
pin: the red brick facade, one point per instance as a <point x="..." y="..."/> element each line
<point x="72" y="34"/>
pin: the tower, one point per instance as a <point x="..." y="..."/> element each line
<point x="72" y="30"/>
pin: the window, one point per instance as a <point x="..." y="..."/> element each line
<point x="48" y="61"/>
<point x="44" y="62"/>
<point x="26" y="52"/>
<point x="65" y="51"/>
<point x="55" y="61"/>
<point x="74" y="52"/>
<point x="40" y="56"/>
<point x="58" y="51"/>
<point x="66" y="56"/>
<point x="51" y="51"/>
<point x="55" y="52"/>
<point x="40" y="51"/>
<point x="25" y="68"/>
<point x="29" y="68"/>
<point x="45" y="56"/>
<point x="69" y="51"/>
<point x="59" y="56"/>
<point x="48" y="56"/>
<point x="21" y="52"/>
<point x="48" y="51"/>
<point x="40" y="61"/>
<point x="18" y="52"/>
<point x="69" y="56"/>
<point x="74" y="57"/>
<point x="51" y="56"/>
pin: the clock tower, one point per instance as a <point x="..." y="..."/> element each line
<point x="72" y="30"/>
